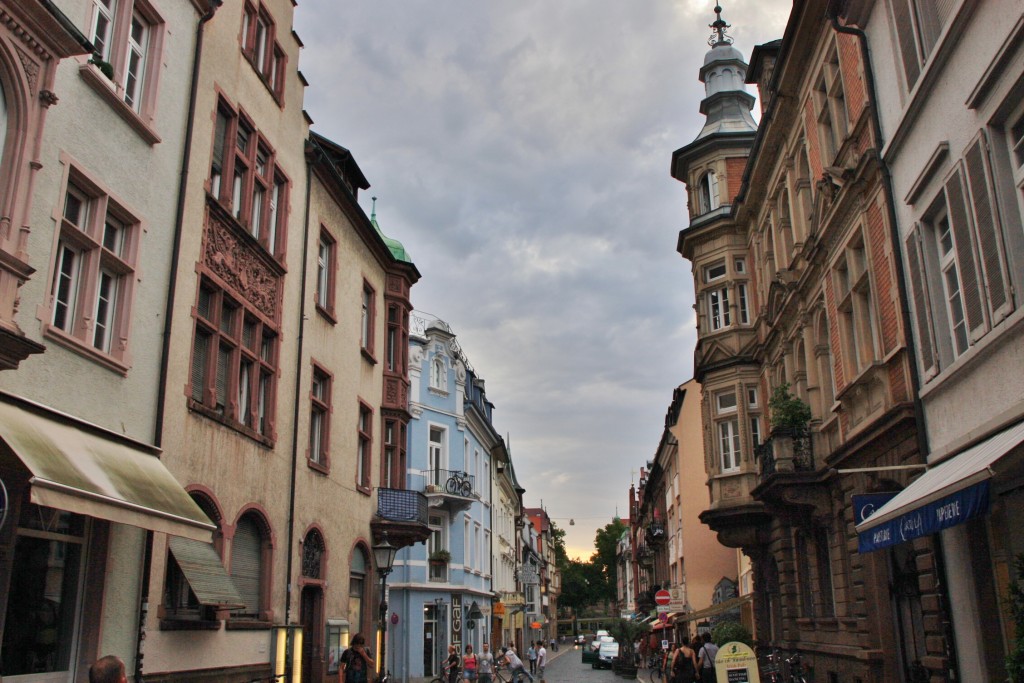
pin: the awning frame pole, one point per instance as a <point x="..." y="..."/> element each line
<point x="887" y="468"/>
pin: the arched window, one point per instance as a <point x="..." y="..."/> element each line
<point x="313" y="549"/>
<point x="707" y="193"/>
<point x="438" y="375"/>
<point x="248" y="565"/>
<point x="357" y="588"/>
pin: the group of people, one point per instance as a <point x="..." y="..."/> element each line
<point x="684" y="664"/>
<point x="480" y="667"/>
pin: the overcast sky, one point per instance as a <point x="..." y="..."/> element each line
<point x="520" y="150"/>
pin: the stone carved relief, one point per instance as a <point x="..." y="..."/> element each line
<point x="415" y="355"/>
<point x="31" y="68"/>
<point x="237" y="265"/>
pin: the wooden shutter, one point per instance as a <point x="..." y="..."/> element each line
<point x="247" y="564"/>
<point x="908" y="45"/>
<point x="986" y="223"/>
<point x="969" y="281"/>
<point x="200" y="351"/>
<point x="918" y="282"/>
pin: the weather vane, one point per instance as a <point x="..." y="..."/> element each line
<point x="719" y="36"/>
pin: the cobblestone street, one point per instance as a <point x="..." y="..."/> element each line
<point x="566" y="667"/>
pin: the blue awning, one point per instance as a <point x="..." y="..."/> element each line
<point x="946" y="495"/>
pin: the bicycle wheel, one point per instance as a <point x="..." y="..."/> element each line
<point x="452" y="486"/>
<point x="656" y="675"/>
<point x="467" y="489"/>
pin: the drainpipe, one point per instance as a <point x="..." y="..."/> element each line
<point x="168" y="317"/>
<point x="901" y="283"/>
<point x="311" y="153"/>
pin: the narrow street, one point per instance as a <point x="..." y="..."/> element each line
<point x="566" y="667"/>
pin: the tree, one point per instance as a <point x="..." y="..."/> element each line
<point x="606" y="541"/>
<point x="558" y="543"/>
<point x="729" y="631"/>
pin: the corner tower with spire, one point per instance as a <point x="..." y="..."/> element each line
<point x="712" y="167"/>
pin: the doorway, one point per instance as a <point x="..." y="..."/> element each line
<point x="311" y="615"/>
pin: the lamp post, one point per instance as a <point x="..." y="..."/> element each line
<point x="384" y="558"/>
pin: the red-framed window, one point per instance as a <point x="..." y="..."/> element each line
<point x="246" y="180"/>
<point x="364" y="446"/>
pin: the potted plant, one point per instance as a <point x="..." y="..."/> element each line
<point x="789" y="413"/>
<point x="790" y="432"/>
<point x="106" y="68"/>
<point x="440" y="556"/>
<point x="628" y="632"/>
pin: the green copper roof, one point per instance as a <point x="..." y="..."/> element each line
<point x="396" y="248"/>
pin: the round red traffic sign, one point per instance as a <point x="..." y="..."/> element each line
<point x="662" y="597"/>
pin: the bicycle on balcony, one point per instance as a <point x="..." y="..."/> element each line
<point x="460" y="484"/>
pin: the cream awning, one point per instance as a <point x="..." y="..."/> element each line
<point x="82" y="468"/>
<point x="715" y="609"/>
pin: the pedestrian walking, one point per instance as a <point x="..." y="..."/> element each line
<point x="451" y="665"/>
<point x="542" y="658"/>
<point x="531" y="655"/>
<point x="554" y="645"/>
<point x="485" y="665"/>
<point x="684" y="663"/>
<point x="355" y="662"/>
<point x="109" y="669"/>
<point x="706" y="658"/>
<point x="469" y="664"/>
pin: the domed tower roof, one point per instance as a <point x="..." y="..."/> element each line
<point x="727" y="104"/>
<point x="394" y="246"/>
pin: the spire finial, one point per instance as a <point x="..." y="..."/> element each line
<point x="719" y="36"/>
<point x="373" y="210"/>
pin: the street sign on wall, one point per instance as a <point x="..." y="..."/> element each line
<point x="663" y="597"/>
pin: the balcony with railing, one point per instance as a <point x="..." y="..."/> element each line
<point x="454" y="490"/>
<point x="785" y="452"/>
<point x="788" y="472"/>
<point x="403" y="514"/>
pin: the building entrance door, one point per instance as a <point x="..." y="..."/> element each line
<point x="313" y="633"/>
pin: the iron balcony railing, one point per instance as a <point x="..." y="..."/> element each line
<point x="401" y="505"/>
<point x="452" y="482"/>
<point x="789" y="454"/>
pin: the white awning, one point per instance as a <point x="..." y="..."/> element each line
<point x="960" y="472"/>
<point x="82" y="468"/>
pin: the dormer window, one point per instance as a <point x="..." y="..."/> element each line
<point x="438" y="375"/>
<point x="707" y="193"/>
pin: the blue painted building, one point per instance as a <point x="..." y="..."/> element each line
<point x="441" y="591"/>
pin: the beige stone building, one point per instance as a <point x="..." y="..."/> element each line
<point x="231" y="352"/>
<point x="675" y="550"/>
<point x="85" y="263"/>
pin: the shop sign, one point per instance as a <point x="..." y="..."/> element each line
<point x="736" y="663"/>
<point x="457" y="622"/>
<point x="499" y="609"/>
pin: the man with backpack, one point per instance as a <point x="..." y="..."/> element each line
<point x="706" y="659"/>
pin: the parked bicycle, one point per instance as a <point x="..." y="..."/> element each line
<point x="459" y="484"/>
<point x="655" y="668"/>
<point x="772" y="671"/>
<point x="796" y="669"/>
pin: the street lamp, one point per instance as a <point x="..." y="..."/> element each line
<point x="384" y="558"/>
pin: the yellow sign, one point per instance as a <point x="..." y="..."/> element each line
<point x="736" y="663"/>
<point x="499" y="609"/>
